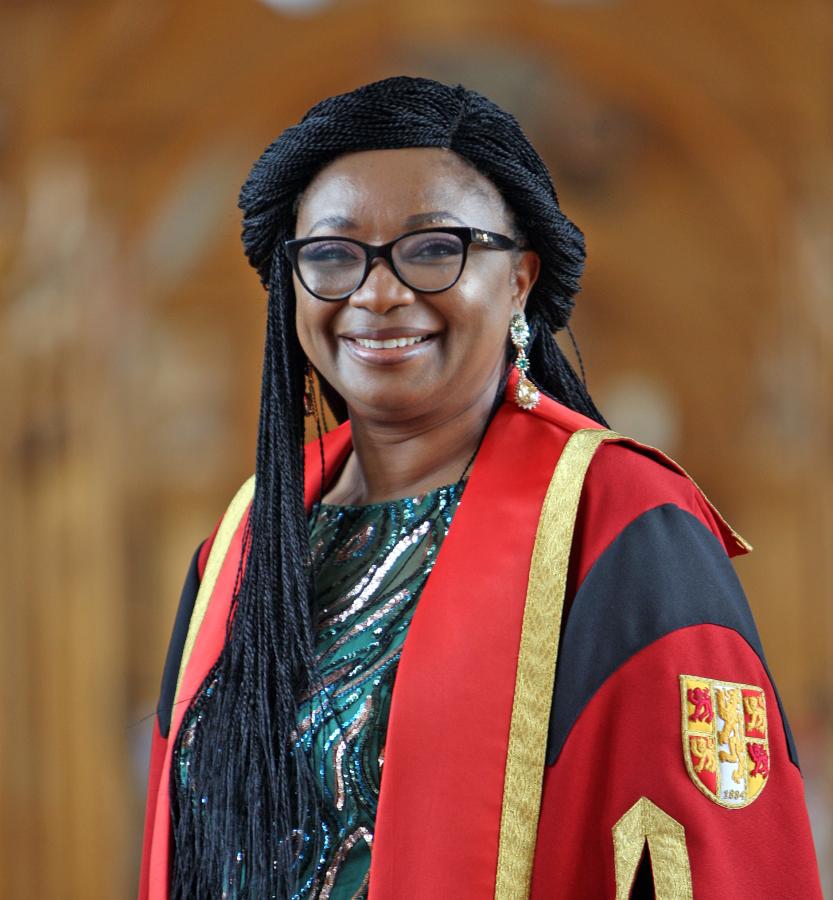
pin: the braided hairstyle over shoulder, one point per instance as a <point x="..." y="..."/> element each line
<point x="257" y="795"/>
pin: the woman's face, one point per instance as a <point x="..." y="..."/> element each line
<point x="375" y="196"/>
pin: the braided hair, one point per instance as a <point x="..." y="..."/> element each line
<point x="261" y="797"/>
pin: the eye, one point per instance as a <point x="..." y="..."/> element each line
<point x="430" y="248"/>
<point x="330" y="253"/>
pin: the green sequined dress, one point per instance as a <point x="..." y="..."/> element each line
<point x="371" y="563"/>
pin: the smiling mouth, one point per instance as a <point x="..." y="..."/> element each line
<point x="390" y="343"/>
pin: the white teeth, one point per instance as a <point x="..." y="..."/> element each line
<point x="390" y="343"/>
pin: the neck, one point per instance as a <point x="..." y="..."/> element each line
<point x="393" y="460"/>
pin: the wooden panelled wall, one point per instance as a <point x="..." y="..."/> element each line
<point x="692" y="143"/>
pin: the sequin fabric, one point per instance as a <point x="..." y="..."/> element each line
<point x="371" y="563"/>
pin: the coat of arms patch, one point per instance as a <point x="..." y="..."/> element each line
<point x="725" y="744"/>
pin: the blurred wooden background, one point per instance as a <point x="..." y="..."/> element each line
<point x="692" y="142"/>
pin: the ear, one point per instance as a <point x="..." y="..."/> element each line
<point x="525" y="270"/>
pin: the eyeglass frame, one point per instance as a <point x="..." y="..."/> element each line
<point x="491" y="240"/>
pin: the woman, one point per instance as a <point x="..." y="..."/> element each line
<point x="417" y="262"/>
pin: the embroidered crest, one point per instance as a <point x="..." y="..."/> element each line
<point x="725" y="744"/>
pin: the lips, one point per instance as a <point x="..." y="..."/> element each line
<point x="390" y="343"/>
<point x="387" y="346"/>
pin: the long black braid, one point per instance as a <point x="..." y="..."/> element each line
<point x="260" y="792"/>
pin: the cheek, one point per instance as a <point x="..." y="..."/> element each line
<point x="481" y="310"/>
<point x="311" y="321"/>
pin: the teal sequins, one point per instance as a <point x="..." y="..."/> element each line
<point x="370" y="565"/>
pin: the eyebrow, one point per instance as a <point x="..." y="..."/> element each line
<point x="411" y="222"/>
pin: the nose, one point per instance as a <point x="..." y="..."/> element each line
<point x="382" y="290"/>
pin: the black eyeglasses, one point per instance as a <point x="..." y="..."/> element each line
<point x="428" y="260"/>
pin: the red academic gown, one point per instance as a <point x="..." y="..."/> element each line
<point x="665" y="766"/>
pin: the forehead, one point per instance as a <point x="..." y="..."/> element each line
<point x="381" y="188"/>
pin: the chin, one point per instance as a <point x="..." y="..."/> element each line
<point x="391" y="401"/>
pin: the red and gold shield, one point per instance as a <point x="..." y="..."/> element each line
<point x="725" y="745"/>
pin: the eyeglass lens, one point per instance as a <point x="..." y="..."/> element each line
<point x="429" y="261"/>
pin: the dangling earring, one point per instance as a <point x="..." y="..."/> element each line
<point x="309" y="391"/>
<point x="526" y="394"/>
